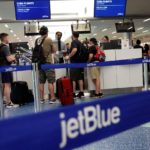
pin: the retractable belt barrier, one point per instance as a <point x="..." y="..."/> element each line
<point x="77" y="65"/>
<point x="95" y="64"/>
<point x="15" y="68"/>
<point x="75" y="126"/>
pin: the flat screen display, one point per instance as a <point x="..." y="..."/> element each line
<point x="110" y="8"/>
<point x="125" y="27"/>
<point x="32" y="9"/>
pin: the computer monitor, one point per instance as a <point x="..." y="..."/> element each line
<point x="14" y="46"/>
<point x="113" y="44"/>
<point x="125" y="27"/>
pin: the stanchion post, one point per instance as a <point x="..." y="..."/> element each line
<point x="37" y="106"/>
<point x="145" y="74"/>
<point x="1" y="100"/>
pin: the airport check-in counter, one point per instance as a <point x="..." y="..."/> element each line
<point x="112" y="77"/>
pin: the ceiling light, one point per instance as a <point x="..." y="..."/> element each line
<point x="141" y="28"/>
<point x="145" y="31"/>
<point x="11" y="31"/>
<point x="114" y="36"/>
<point x="6" y="25"/>
<point x="18" y="38"/>
<point x="95" y="34"/>
<point x="114" y="32"/>
<point x="15" y="35"/>
<point x="25" y="23"/>
<point x="146" y="20"/>
<point x="25" y="36"/>
<point x="104" y="30"/>
<point x="0" y="18"/>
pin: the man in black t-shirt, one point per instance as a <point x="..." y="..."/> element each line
<point x="77" y="75"/>
<point x="5" y="60"/>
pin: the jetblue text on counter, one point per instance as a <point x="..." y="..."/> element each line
<point x="87" y="121"/>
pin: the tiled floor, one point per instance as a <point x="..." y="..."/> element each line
<point x="135" y="139"/>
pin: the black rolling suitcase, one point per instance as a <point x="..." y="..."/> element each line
<point x="20" y="93"/>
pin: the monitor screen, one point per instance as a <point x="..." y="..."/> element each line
<point x="32" y="9"/>
<point x="125" y="27"/>
<point x="110" y="8"/>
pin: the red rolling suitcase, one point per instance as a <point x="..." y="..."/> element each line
<point x="64" y="91"/>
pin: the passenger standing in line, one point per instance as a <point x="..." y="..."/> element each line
<point x="147" y="50"/>
<point x="138" y="45"/>
<point x="94" y="71"/>
<point x="77" y="75"/>
<point x="60" y="47"/>
<point x="6" y="59"/>
<point x="147" y="53"/>
<point x="48" y="50"/>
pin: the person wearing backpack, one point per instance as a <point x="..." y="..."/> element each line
<point x="94" y="56"/>
<point x="6" y="59"/>
<point x="42" y="54"/>
<point x="76" y="74"/>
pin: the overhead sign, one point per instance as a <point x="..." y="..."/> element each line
<point x="109" y="8"/>
<point x="32" y="9"/>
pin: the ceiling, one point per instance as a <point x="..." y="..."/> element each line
<point x="63" y="18"/>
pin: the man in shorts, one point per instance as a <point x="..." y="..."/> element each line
<point x="94" y="71"/>
<point x="47" y="75"/>
<point x="5" y="60"/>
<point x="77" y="74"/>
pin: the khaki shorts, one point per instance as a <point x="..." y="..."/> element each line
<point x="94" y="72"/>
<point x="48" y="75"/>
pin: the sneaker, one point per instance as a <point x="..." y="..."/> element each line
<point x="80" y="95"/>
<point x="11" y="105"/>
<point x="42" y="101"/>
<point x="16" y="106"/>
<point x="99" y="95"/>
<point x="74" y="96"/>
<point x="52" y="101"/>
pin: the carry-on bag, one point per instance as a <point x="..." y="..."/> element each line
<point x="19" y="92"/>
<point x="64" y="91"/>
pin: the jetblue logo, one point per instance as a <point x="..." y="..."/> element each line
<point x="10" y="69"/>
<point x="87" y="121"/>
<point x="91" y="65"/>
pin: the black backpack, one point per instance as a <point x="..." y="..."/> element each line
<point x="83" y="54"/>
<point x="38" y="55"/>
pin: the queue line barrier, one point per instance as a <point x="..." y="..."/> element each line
<point x="75" y="126"/>
<point x="34" y="69"/>
<point x="76" y="65"/>
<point x="65" y="128"/>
